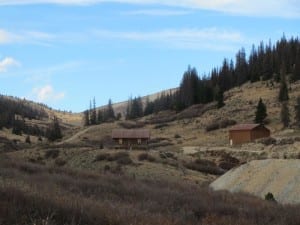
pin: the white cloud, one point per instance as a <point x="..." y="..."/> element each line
<point x="28" y="37"/>
<point x="278" y="8"/>
<point x="7" y="37"/>
<point x="158" y="12"/>
<point x="8" y="62"/>
<point x="47" y="94"/>
<point x="211" y="38"/>
<point x="186" y="38"/>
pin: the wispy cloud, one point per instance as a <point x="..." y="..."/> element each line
<point x="186" y="38"/>
<point x="7" y="37"/>
<point x="8" y="62"/>
<point x="47" y="94"/>
<point x="28" y="37"/>
<point x="45" y="75"/>
<point x="278" y="8"/>
<point x="212" y="38"/>
<point x="158" y="12"/>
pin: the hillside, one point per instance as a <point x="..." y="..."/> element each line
<point x="279" y="177"/>
<point x="83" y="178"/>
<point x="120" y="107"/>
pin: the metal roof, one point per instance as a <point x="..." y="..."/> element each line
<point x="131" y="133"/>
<point x="245" y="126"/>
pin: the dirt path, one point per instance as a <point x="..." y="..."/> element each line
<point x="75" y="136"/>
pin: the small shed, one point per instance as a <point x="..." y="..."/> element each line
<point x="130" y="137"/>
<point x="243" y="133"/>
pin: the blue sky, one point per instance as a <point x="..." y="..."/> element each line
<point x="65" y="52"/>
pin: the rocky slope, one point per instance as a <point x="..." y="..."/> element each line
<point x="278" y="176"/>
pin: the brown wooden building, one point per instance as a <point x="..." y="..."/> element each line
<point x="243" y="133"/>
<point x="128" y="138"/>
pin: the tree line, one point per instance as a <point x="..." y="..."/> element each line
<point x="13" y="112"/>
<point x="279" y="62"/>
<point x="92" y="116"/>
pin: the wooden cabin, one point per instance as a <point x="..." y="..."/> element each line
<point x="128" y="138"/>
<point x="243" y="133"/>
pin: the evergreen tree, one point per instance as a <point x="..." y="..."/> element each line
<point x="296" y="69"/>
<point x="241" y="67"/>
<point x="253" y="65"/>
<point x="267" y="63"/>
<point x="188" y="89"/>
<point x="285" y="114"/>
<point x="261" y="112"/>
<point x="54" y="132"/>
<point x="149" y="108"/>
<point x="110" y="111"/>
<point x="100" y="118"/>
<point x="220" y="98"/>
<point x="297" y="112"/>
<point x="129" y="107"/>
<point x="86" y="118"/>
<point x="93" y="115"/>
<point x="283" y="91"/>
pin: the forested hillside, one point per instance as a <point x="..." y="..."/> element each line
<point x="14" y="111"/>
<point x="277" y="63"/>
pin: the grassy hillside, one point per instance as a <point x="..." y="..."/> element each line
<point x="36" y="194"/>
<point x="82" y="179"/>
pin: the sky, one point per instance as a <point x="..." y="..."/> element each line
<point x="63" y="53"/>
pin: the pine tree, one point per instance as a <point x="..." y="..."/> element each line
<point x="86" y="118"/>
<point x="297" y="112"/>
<point x="220" y="98"/>
<point x="241" y="67"/>
<point x="100" y="118"/>
<point x="54" y="132"/>
<point x="296" y="69"/>
<point x="283" y="91"/>
<point x="93" y="115"/>
<point x="261" y="112"/>
<point x="285" y="114"/>
<point x="110" y="111"/>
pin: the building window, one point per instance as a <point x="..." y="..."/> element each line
<point x="120" y="141"/>
<point x="139" y="141"/>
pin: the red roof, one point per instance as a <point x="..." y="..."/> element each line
<point x="245" y="126"/>
<point x="131" y="133"/>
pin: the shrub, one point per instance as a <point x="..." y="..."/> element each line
<point x="160" y="126"/>
<point x="60" y="162"/>
<point x="102" y="157"/>
<point x="53" y="153"/>
<point x="165" y="155"/>
<point x="204" y="166"/>
<point x="146" y="156"/>
<point x="218" y="125"/>
<point x="27" y="139"/>
<point x="122" y="158"/>
<point x="267" y="141"/>
<point x="177" y="136"/>
<point x="228" y="162"/>
<point x="106" y="168"/>
<point x="270" y="197"/>
<point x="212" y="126"/>
<point x="226" y="123"/>
<point x="101" y="145"/>
<point x="124" y="161"/>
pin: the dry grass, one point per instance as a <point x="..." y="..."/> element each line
<point x="35" y="194"/>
